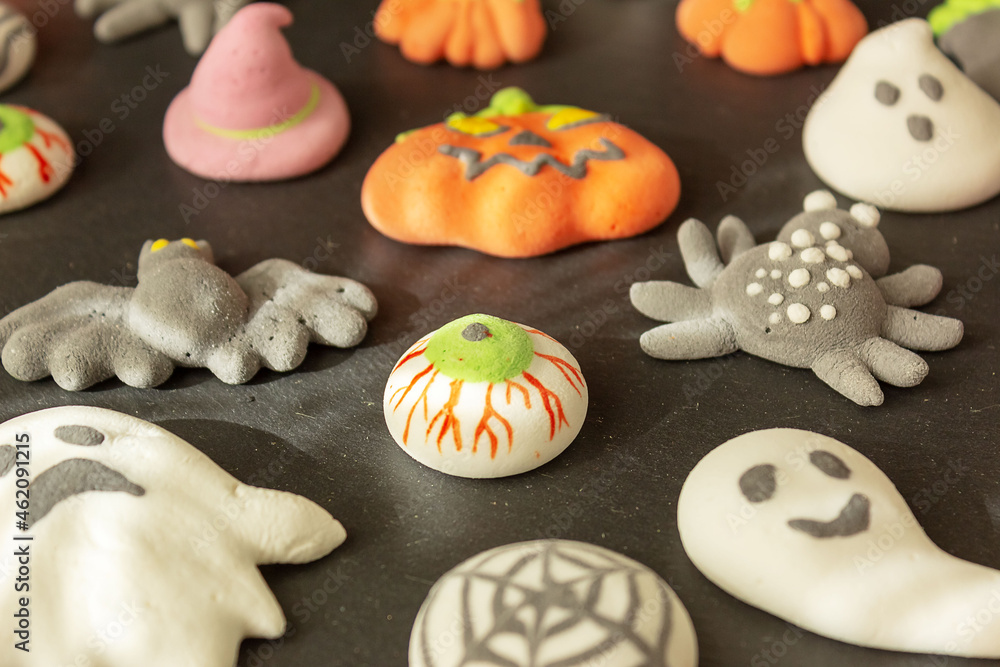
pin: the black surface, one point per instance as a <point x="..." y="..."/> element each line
<point x="319" y="431"/>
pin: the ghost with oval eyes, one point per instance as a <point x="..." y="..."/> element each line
<point x="140" y="550"/>
<point x="903" y="128"/>
<point x="823" y="539"/>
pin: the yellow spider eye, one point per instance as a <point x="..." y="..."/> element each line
<point x="561" y="119"/>
<point x="159" y="245"/>
<point x="477" y="127"/>
<point x="190" y="242"/>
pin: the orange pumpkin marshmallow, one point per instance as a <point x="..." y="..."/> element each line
<point x="766" y="37"/>
<point x="519" y="180"/>
<point x="481" y="33"/>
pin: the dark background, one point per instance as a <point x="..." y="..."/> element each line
<point x="319" y="430"/>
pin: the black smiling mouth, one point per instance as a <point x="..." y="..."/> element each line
<point x="475" y="165"/>
<point x="853" y="519"/>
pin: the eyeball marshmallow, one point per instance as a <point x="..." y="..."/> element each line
<point x="484" y="397"/>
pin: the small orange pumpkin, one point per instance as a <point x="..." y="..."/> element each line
<point x="766" y="37"/>
<point x="482" y="33"/>
<point x="519" y="180"/>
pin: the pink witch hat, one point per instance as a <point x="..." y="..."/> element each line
<point x="252" y="113"/>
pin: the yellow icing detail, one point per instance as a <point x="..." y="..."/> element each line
<point x="569" y="116"/>
<point x="474" y="126"/>
<point x="159" y="245"/>
<point x="270" y="130"/>
<point x="190" y="242"/>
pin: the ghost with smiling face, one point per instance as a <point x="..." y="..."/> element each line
<point x="808" y="529"/>
<point x="903" y="128"/>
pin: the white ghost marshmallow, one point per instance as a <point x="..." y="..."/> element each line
<point x="902" y="127"/>
<point x="808" y="529"/>
<point x="144" y="552"/>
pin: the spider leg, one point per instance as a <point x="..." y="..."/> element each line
<point x="890" y="363"/>
<point x="693" y="339"/>
<point x="701" y="258"/>
<point x="921" y="331"/>
<point x="734" y="238"/>
<point x="138" y="365"/>
<point x="234" y="364"/>
<point x="197" y="24"/>
<point x="913" y="287"/>
<point x="79" y="358"/>
<point x="670" y="302"/>
<point x="279" y="337"/>
<point x="127" y="19"/>
<point x="847" y="373"/>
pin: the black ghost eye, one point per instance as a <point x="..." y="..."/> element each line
<point x="830" y="464"/>
<point x="7" y="456"/>
<point x="758" y="484"/>
<point x="529" y="138"/>
<point x="931" y="86"/>
<point x="886" y="93"/>
<point x="84" y="436"/>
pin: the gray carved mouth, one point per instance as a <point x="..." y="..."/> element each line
<point x="853" y="519"/>
<point x="476" y="166"/>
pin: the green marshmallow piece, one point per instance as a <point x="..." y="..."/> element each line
<point x="480" y="348"/>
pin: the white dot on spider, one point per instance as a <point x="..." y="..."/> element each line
<point x="830" y="230"/>
<point x="828" y="312"/>
<point x="798" y="313"/>
<point x="761" y="273"/>
<point x="799" y="278"/>
<point x="855" y="272"/>
<point x="753" y="289"/>
<point x="837" y="252"/>
<point x="776" y="274"/>
<point x="812" y="255"/>
<point x="774" y="318"/>
<point x="822" y="287"/>
<point x="775" y="299"/>
<point x="779" y="251"/>
<point x="819" y="200"/>
<point x="803" y="238"/>
<point x="839" y="277"/>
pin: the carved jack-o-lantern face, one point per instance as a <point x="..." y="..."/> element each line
<point x="519" y="180"/>
<point x="565" y="141"/>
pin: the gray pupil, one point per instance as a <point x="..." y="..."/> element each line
<point x="475" y="332"/>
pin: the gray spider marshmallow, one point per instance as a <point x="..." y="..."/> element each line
<point x="814" y="299"/>
<point x="199" y="19"/>
<point x="185" y="311"/>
